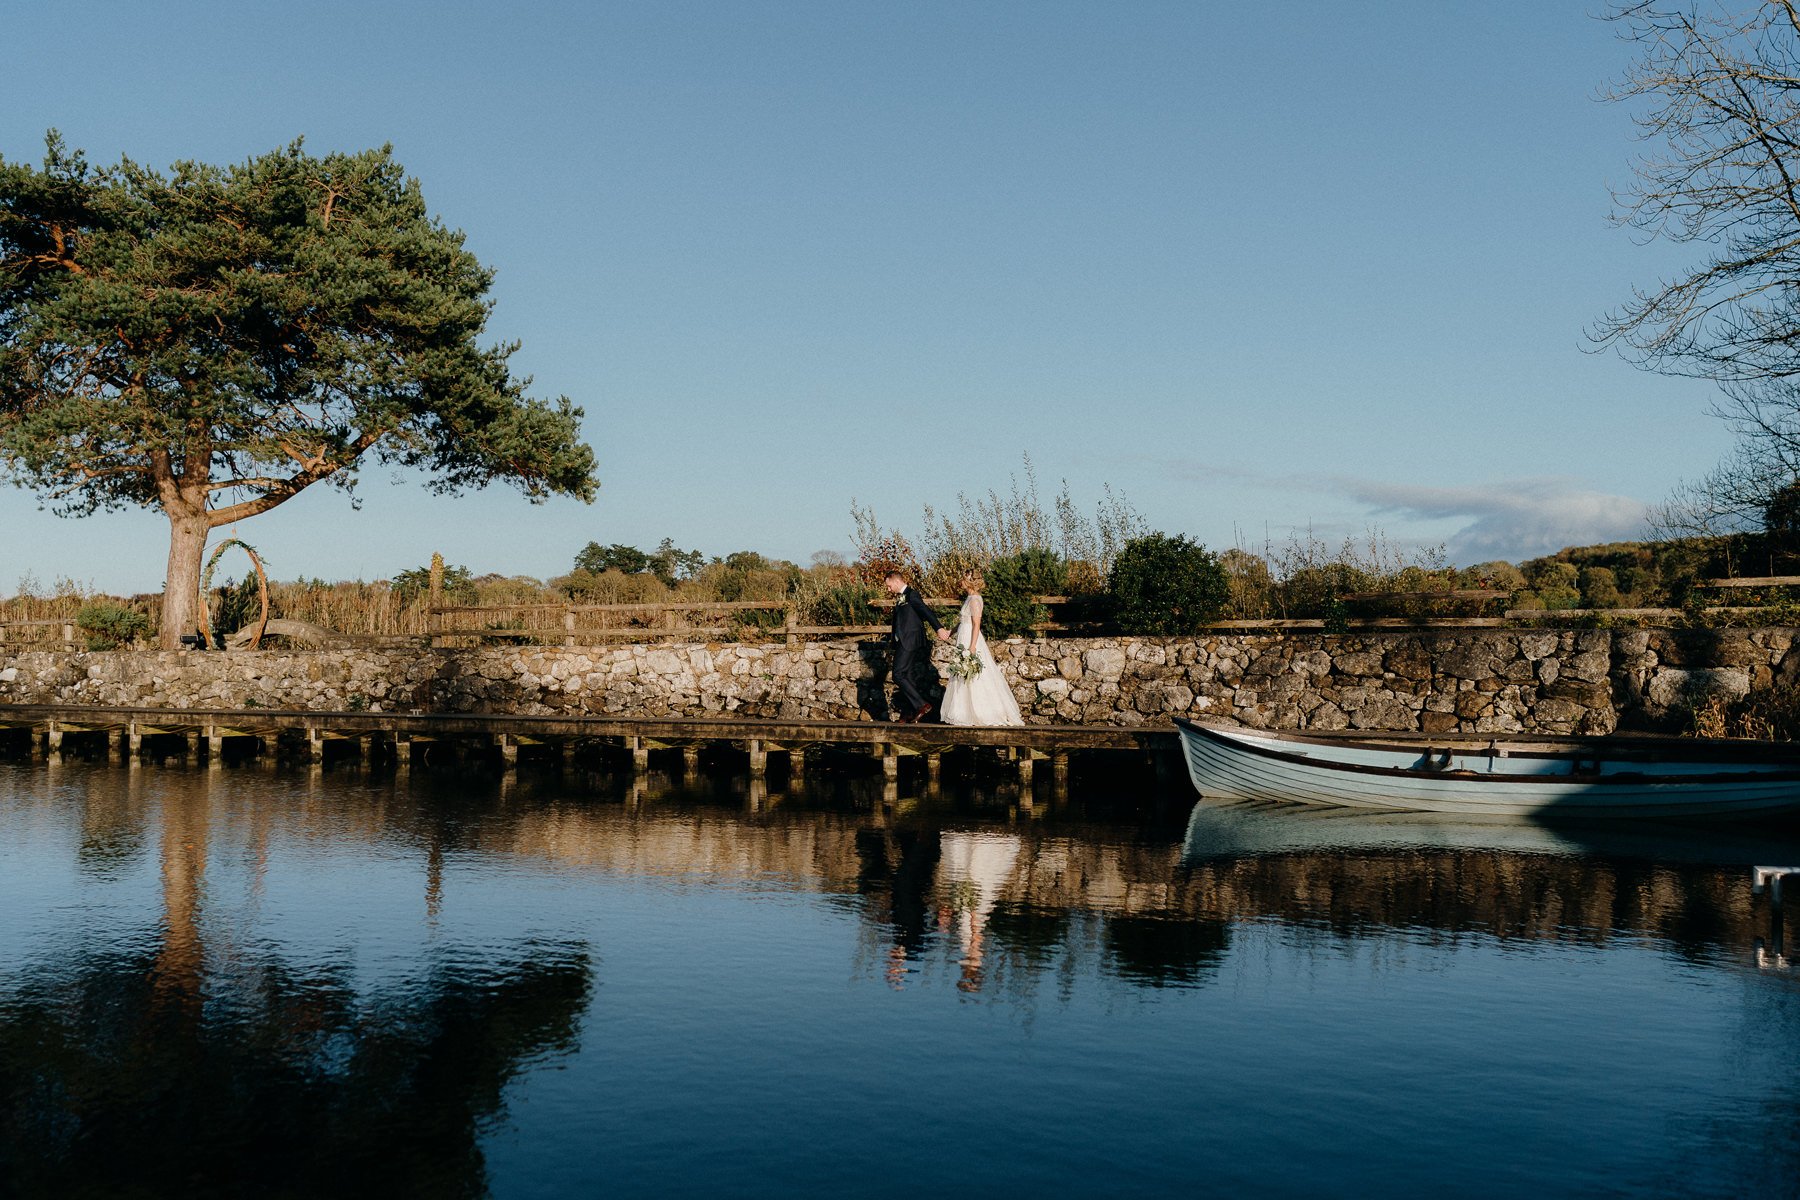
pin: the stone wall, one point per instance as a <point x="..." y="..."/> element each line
<point x="1586" y="681"/>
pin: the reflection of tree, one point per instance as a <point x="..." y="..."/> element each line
<point x="1694" y="908"/>
<point x="166" y="1068"/>
<point x="1159" y="920"/>
<point x="278" y="1084"/>
<point x="1160" y="951"/>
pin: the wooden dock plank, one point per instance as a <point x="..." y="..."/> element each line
<point x="668" y="730"/>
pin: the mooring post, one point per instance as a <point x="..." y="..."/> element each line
<point x="53" y="736"/>
<point x="1026" y="766"/>
<point x="315" y="744"/>
<point x="759" y="759"/>
<point x="403" y="747"/>
<point x="1059" y="774"/>
<point x="215" y="748"/>
<point x="190" y="746"/>
<point x="509" y="751"/>
<point x="640" y="753"/>
<point x="796" y="757"/>
<point x="37" y="745"/>
<point x="690" y="761"/>
<point x="118" y="744"/>
<point x="934" y="768"/>
<point x="890" y="761"/>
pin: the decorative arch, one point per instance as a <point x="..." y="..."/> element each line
<point x="262" y="589"/>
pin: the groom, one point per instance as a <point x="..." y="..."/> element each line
<point x="911" y="615"/>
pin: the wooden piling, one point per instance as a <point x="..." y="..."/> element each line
<point x="126" y="726"/>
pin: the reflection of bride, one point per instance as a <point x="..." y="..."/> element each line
<point x="986" y="699"/>
<point x="972" y="871"/>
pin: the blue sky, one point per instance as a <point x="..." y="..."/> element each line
<point x="1261" y="267"/>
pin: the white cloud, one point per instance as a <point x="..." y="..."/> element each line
<point x="1512" y="519"/>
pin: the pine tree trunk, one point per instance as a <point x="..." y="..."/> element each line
<point x="181" y="585"/>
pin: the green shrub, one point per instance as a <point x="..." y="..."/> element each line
<point x="1166" y="585"/>
<point x="849" y="603"/>
<point x="1599" y="588"/>
<point x="237" y="605"/>
<point x="109" y="624"/>
<point x="595" y="558"/>
<point x="459" y="585"/>
<point x="1009" y="606"/>
<point x="1547" y="573"/>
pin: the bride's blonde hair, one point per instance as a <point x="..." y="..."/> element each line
<point x="972" y="581"/>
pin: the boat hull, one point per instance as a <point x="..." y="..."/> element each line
<point x="1250" y="765"/>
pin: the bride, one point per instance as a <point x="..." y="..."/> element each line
<point x="986" y="699"/>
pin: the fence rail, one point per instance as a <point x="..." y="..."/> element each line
<point x="65" y="631"/>
<point x="602" y="624"/>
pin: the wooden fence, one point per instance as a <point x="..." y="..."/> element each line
<point x="600" y="624"/>
<point x="55" y="632"/>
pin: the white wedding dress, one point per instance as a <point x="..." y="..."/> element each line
<point x="986" y="699"/>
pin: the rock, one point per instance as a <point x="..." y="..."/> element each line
<point x="1590" y="666"/>
<point x="1470" y="705"/>
<point x="1536" y="645"/>
<point x="1437" y="722"/>
<point x="1469" y="660"/>
<point x="1105" y="662"/>
<point x="1359" y="663"/>
<point x="1327" y="716"/>
<point x="1409" y="663"/>
<point x="1383" y="714"/>
<point x="1671" y="687"/>
<point x="1559" y="712"/>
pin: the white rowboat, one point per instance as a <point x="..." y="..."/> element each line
<point x="1504" y="775"/>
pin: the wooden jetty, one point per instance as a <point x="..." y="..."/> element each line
<point x="125" y="733"/>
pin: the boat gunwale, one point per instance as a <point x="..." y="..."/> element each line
<point x="1249" y="741"/>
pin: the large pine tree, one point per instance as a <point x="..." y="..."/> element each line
<point x="213" y="341"/>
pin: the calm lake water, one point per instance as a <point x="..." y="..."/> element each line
<point x="249" y="983"/>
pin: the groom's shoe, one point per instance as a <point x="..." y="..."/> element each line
<point x="924" y="709"/>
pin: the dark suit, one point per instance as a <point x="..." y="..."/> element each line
<point x="911" y="616"/>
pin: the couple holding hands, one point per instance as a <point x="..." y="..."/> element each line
<point x="977" y="692"/>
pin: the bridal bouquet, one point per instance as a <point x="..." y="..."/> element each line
<point x="964" y="665"/>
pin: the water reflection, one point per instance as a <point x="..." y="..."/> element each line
<point x="165" y="1053"/>
<point x="252" y="983"/>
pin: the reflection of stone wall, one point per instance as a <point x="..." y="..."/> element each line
<point x="1438" y="681"/>
<point x="1529" y="896"/>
